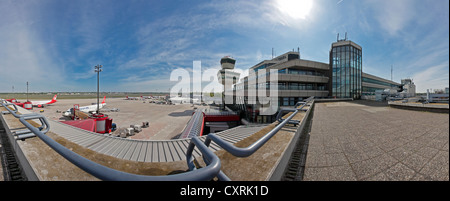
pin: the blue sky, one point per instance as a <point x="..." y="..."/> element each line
<point x="55" y="44"/>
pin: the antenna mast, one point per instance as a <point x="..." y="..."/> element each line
<point x="391" y="72"/>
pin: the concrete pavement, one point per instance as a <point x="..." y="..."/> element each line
<point x="363" y="140"/>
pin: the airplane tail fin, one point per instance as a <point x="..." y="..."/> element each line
<point x="104" y="100"/>
<point x="53" y="100"/>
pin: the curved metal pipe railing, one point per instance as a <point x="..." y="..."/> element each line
<point x="247" y="151"/>
<point x="9" y="110"/>
<point x="24" y="134"/>
<point x="209" y="172"/>
<point x="106" y="173"/>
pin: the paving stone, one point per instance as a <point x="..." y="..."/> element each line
<point x="373" y="152"/>
<point x="427" y="152"/>
<point x="336" y="159"/>
<point x="400" y="153"/>
<point x="378" y="177"/>
<point x="316" y="174"/>
<point x="421" y="177"/>
<point x="378" y="143"/>
<point x="341" y="173"/>
<point x="416" y="162"/>
<point x="367" y="168"/>
<point x="400" y="172"/>
<point x="445" y="148"/>
<point x="438" y="167"/>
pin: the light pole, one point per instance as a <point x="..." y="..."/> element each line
<point x="98" y="70"/>
<point x="27" y="93"/>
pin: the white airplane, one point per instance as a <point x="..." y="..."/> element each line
<point x="133" y="98"/>
<point x="181" y="100"/>
<point x="86" y="109"/>
<point x="46" y="102"/>
<point x="146" y="97"/>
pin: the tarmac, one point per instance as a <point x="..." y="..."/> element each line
<point x="369" y="141"/>
<point x="165" y="121"/>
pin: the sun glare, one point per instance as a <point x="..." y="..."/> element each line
<point x="297" y="9"/>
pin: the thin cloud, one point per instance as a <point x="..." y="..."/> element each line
<point x="23" y="55"/>
<point x="393" y="16"/>
<point x="435" y="77"/>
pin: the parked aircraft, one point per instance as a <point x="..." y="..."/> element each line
<point x="133" y="98"/>
<point x="34" y="103"/>
<point x="181" y="100"/>
<point x="86" y="109"/>
<point x="46" y="102"/>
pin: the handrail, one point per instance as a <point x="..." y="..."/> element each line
<point x="212" y="161"/>
<point x="24" y="134"/>
<point x="283" y="110"/>
<point x="44" y="122"/>
<point x="9" y="110"/>
<point x="106" y="173"/>
<point x="247" y="151"/>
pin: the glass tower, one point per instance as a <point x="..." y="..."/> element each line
<point x="346" y="65"/>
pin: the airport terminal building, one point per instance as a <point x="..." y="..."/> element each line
<point x="298" y="79"/>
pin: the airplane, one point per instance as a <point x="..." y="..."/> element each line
<point x="182" y="100"/>
<point x="147" y="97"/>
<point x="34" y="103"/>
<point x="86" y="109"/>
<point x="42" y="103"/>
<point x="133" y="98"/>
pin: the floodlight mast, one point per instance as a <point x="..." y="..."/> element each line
<point x="27" y="93"/>
<point x="98" y="70"/>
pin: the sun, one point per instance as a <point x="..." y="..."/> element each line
<point x="297" y="9"/>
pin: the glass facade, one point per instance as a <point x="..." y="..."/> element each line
<point x="227" y="60"/>
<point x="369" y="80"/>
<point x="346" y="65"/>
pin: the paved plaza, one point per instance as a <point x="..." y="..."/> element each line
<point x="364" y="140"/>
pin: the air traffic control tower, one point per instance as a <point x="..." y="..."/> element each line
<point x="227" y="77"/>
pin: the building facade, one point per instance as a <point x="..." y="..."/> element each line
<point x="408" y="88"/>
<point x="371" y="84"/>
<point x="346" y="66"/>
<point x="298" y="79"/>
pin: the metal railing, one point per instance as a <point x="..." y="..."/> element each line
<point x="283" y="111"/>
<point x="106" y="173"/>
<point x="247" y="151"/>
<point x="213" y="164"/>
<point x="26" y="133"/>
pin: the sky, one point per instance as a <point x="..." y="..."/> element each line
<point x="55" y="44"/>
